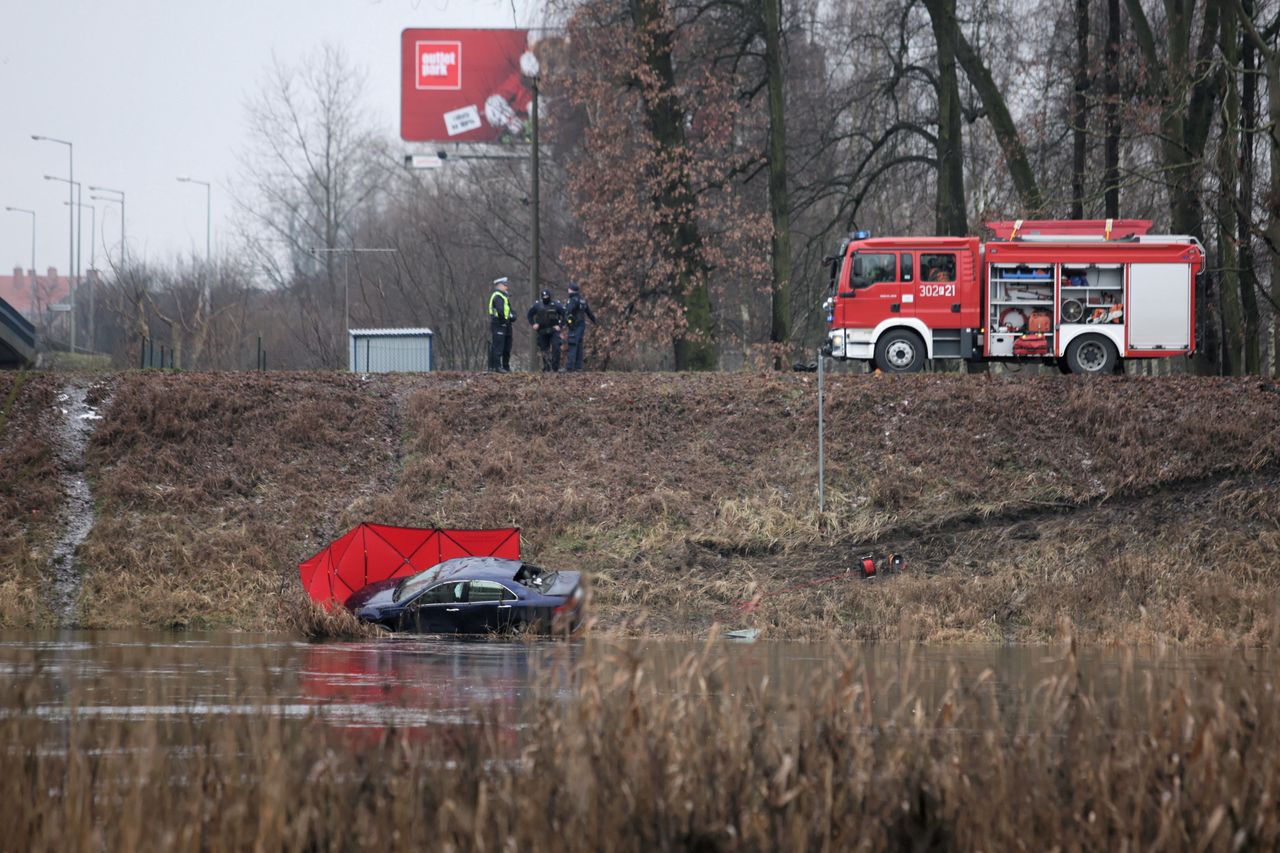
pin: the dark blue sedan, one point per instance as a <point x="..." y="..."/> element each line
<point x="474" y="595"/>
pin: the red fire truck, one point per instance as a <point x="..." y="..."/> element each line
<point x="1084" y="294"/>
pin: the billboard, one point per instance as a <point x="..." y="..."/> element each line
<point x="465" y="85"/>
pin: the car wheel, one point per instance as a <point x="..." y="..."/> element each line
<point x="1092" y="354"/>
<point x="900" y="351"/>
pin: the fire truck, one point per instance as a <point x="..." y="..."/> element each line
<point x="1081" y="294"/>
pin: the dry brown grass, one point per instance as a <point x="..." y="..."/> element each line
<point x="307" y="619"/>
<point x="633" y="759"/>
<point x="687" y="494"/>
<point x="211" y="487"/>
<point x="30" y="496"/>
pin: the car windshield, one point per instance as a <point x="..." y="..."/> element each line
<point x="541" y="580"/>
<point x="413" y="585"/>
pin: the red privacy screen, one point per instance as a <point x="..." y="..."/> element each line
<point x="374" y="552"/>
<point x="465" y="85"/>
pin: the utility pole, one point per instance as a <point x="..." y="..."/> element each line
<point x="346" y="282"/>
<point x="535" y="284"/>
<point x="71" y="224"/>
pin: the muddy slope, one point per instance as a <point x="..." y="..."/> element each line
<point x="1016" y="501"/>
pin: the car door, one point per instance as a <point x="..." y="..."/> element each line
<point x="438" y="610"/>
<point x="871" y="293"/>
<point x="489" y="607"/>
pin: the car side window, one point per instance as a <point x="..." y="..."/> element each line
<point x="486" y="591"/>
<point x="453" y="592"/>
<point x="908" y="268"/>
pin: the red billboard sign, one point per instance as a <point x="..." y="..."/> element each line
<point x="465" y="85"/>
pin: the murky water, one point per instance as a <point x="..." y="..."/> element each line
<point x="421" y="683"/>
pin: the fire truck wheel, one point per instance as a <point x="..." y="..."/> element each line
<point x="900" y="351"/>
<point x="1092" y="354"/>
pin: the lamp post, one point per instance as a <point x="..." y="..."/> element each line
<point x="93" y="263"/>
<point x="208" y="209"/>
<point x="33" y="252"/>
<point x="71" y="223"/>
<point x="346" y="277"/>
<point x="120" y="201"/>
<point x="75" y="203"/>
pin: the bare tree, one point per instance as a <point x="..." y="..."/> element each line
<point x="312" y="163"/>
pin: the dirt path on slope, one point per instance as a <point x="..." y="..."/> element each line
<point x="77" y="420"/>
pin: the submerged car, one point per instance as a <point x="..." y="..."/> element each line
<point x="474" y="595"/>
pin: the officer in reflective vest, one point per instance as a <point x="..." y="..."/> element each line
<point x="577" y="312"/>
<point x="500" y="320"/>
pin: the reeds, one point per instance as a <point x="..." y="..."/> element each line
<point x="629" y="757"/>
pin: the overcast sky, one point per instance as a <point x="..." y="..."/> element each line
<point x="148" y="90"/>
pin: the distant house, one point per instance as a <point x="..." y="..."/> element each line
<point x="31" y="294"/>
<point x="390" y="351"/>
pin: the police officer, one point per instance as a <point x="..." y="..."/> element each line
<point x="500" y="319"/>
<point x="577" y="312"/>
<point x="547" y="318"/>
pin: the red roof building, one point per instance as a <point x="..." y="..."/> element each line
<point x="32" y="295"/>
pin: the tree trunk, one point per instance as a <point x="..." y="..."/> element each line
<point x="1227" y="217"/>
<point x="694" y="349"/>
<point x="942" y="13"/>
<point x="1079" y="129"/>
<point x="1248" y="275"/>
<point x="779" y="203"/>
<point x="952" y="219"/>
<point x="1111" y="146"/>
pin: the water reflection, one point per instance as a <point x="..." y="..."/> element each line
<point x="424" y="687"/>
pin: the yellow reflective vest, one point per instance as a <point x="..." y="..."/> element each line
<point x="500" y="306"/>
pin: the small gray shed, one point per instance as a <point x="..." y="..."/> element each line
<point x="390" y="351"/>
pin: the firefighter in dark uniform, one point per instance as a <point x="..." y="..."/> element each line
<point x="577" y="312"/>
<point x="547" y="318"/>
<point x="500" y="319"/>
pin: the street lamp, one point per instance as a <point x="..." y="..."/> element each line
<point x="79" y="250"/>
<point x="33" y="252"/>
<point x="120" y="201"/>
<point x="93" y="263"/>
<point x="208" y="209"/>
<point x="71" y="223"/>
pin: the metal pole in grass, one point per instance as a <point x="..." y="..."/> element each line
<point x="822" y="503"/>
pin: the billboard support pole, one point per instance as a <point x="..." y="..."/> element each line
<point x="535" y="240"/>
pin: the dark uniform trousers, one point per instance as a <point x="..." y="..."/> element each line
<point x="499" y="345"/>
<point x="549" y="346"/>
<point x="574" y="358"/>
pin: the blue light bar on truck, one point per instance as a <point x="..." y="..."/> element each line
<point x="861" y="235"/>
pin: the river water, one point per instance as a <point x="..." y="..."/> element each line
<point x="421" y="683"/>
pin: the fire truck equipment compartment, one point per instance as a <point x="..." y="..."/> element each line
<point x="1159" y="306"/>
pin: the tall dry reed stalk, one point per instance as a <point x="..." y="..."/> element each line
<point x="634" y="759"/>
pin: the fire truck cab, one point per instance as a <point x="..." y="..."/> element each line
<point x="1084" y="294"/>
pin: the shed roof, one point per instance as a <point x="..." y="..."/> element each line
<point x="390" y="333"/>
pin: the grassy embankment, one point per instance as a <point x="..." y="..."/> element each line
<point x="634" y="761"/>
<point x="1141" y="509"/>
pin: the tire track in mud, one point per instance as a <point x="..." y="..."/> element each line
<point x="78" y="419"/>
<point x="937" y="538"/>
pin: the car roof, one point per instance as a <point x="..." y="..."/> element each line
<point x="474" y="568"/>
